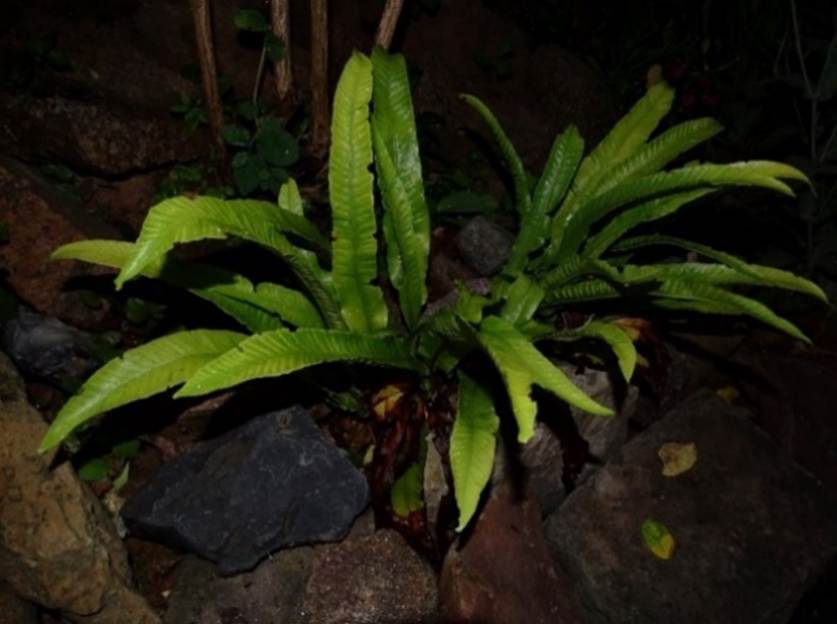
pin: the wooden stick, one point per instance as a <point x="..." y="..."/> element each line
<point x="209" y="73"/>
<point x="281" y="26"/>
<point x="389" y="20"/>
<point x="319" y="77"/>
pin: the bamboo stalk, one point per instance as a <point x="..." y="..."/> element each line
<point x="281" y="26"/>
<point x="209" y="72"/>
<point x="388" y="23"/>
<point x="319" y="77"/>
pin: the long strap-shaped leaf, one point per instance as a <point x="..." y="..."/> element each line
<point x="405" y="249"/>
<point x="720" y="275"/>
<point x="394" y="121"/>
<point x="407" y="225"/>
<point x="758" y="173"/>
<point x="518" y="172"/>
<point x="557" y="175"/>
<point x="757" y="274"/>
<point x="688" y="286"/>
<point x="354" y="247"/>
<point x="632" y="217"/>
<point x="723" y="302"/>
<point x="181" y="220"/>
<point x="626" y="137"/>
<point x="473" y="441"/>
<point x="139" y="373"/>
<point x="622" y="142"/>
<point x="280" y="352"/>
<point x="259" y="308"/>
<point x="660" y="151"/>
<point x="522" y="365"/>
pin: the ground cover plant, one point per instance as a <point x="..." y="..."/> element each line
<point x="571" y="248"/>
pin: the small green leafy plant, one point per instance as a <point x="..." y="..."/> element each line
<point x="262" y="150"/>
<point x="571" y="248"/>
<point x="192" y="110"/>
<point x="255" y="22"/>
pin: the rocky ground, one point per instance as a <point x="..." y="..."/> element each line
<point x="241" y="510"/>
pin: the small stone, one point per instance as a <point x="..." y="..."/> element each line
<point x="374" y="579"/>
<point x="484" y="245"/>
<point x="605" y="435"/>
<point x="273" y="483"/>
<point x="45" y="347"/>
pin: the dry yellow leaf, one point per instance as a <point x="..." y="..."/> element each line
<point x="386" y="399"/>
<point x="677" y="457"/>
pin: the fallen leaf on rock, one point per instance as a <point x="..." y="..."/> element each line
<point x="658" y="539"/>
<point x="728" y="394"/>
<point x="677" y="457"/>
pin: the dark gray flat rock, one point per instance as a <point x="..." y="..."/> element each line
<point x="273" y="483"/>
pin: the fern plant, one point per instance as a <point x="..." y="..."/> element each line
<point x="570" y="248"/>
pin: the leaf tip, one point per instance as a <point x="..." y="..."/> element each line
<point x="49" y="442"/>
<point x="523" y="436"/>
<point x="188" y="390"/>
<point x="58" y="254"/>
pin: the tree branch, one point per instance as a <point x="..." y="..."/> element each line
<point x="209" y="73"/>
<point x="389" y="20"/>
<point x="319" y="77"/>
<point x="281" y="26"/>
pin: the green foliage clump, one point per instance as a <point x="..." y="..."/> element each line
<point x="571" y="247"/>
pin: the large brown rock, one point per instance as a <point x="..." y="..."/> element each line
<point x="569" y="444"/>
<point x="794" y="392"/>
<point x="501" y="572"/>
<point x="39" y="219"/>
<point x="91" y="137"/>
<point x="58" y="547"/>
<point x="374" y="579"/>
<point x="14" y="610"/>
<point x="123" y="51"/>
<point x="272" y="592"/>
<point x="604" y="435"/>
<point x="752" y="530"/>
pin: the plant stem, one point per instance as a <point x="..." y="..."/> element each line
<point x="259" y="73"/>
<point x="209" y="73"/>
<point x="389" y="20"/>
<point x="281" y="25"/>
<point x="798" y="40"/>
<point x="319" y="76"/>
